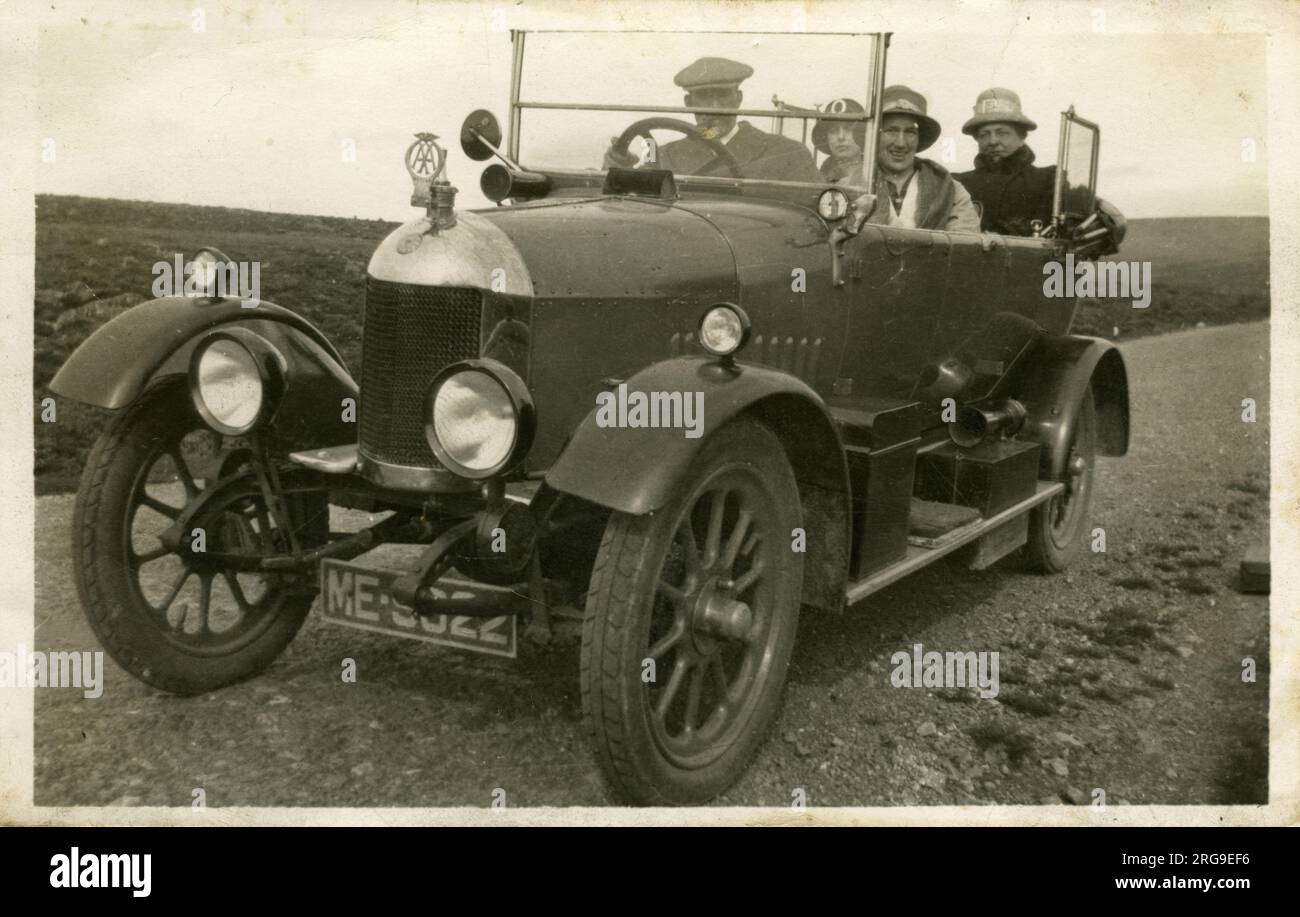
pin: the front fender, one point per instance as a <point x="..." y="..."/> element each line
<point x="1053" y="392"/>
<point x="113" y="365"/>
<point x="635" y="469"/>
<point x="156" y="338"/>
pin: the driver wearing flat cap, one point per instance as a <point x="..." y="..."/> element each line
<point x="714" y="82"/>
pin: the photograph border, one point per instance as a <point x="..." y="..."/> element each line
<point x="1279" y="21"/>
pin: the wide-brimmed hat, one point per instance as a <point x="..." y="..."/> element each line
<point x="900" y="100"/>
<point x="997" y="106"/>
<point x="840" y="107"/>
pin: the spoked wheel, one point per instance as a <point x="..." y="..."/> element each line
<point x="690" y="621"/>
<point x="171" y="617"/>
<point x="1058" y="528"/>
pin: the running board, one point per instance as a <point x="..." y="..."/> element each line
<point x="919" y="556"/>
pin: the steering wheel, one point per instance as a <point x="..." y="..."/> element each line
<point x="643" y="127"/>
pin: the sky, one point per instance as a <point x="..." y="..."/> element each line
<point x="308" y="108"/>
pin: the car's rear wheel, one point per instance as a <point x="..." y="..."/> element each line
<point x="690" y="620"/>
<point x="1058" y="528"/>
<point x="167" y="617"/>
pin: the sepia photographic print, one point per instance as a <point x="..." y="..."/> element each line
<point x="663" y="412"/>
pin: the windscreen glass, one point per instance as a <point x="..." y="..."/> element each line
<point x="1077" y="169"/>
<point x="600" y="72"/>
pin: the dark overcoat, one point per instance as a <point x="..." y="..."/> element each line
<point x="1012" y="192"/>
<point x="759" y="154"/>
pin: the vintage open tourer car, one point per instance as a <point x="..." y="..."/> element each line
<point x="694" y="402"/>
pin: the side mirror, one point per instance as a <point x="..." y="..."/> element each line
<point x="1075" y="196"/>
<point x="480" y="135"/>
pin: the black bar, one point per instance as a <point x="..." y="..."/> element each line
<point x="917" y="866"/>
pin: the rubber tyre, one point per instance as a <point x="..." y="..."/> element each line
<point x="1052" y="550"/>
<point x="100" y="541"/>
<point x="620" y="603"/>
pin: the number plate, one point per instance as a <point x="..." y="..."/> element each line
<point x="362" y="597"/>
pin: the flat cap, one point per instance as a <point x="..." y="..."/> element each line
<point x="710" y="72"/>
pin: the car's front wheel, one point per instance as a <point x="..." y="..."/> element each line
<point x="168" y="616"/>
<point x="690" y="620"/>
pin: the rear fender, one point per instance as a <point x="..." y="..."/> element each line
<point x="1053" y="389"/>
<point x="636" y="469"/>
<point x="155" y="340"/>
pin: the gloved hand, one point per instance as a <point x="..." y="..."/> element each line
<point x="1113" y="220"/>
<point x="614" y="159"/>
<point x="1102" y="232"/>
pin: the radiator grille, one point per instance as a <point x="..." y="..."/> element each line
<point x="411" y="332"/>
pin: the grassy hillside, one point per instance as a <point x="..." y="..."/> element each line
<point x="1203" y="269"/>
<point x="1176" y="241"/>
<point x="94" y="258"/>
<point x="315" y="265"/>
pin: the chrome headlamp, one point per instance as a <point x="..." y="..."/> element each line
<point x="205" y="265"/>
<point x="479" y="418"/>
<point x="236" y="380"/>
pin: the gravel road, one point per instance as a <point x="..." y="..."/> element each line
<point x="1123" y="676"/>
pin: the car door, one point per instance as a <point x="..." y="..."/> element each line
<point x="896" y="279"/>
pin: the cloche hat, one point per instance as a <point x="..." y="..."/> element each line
<point x="900" y="100"/>
<point x="997" y="106"/>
